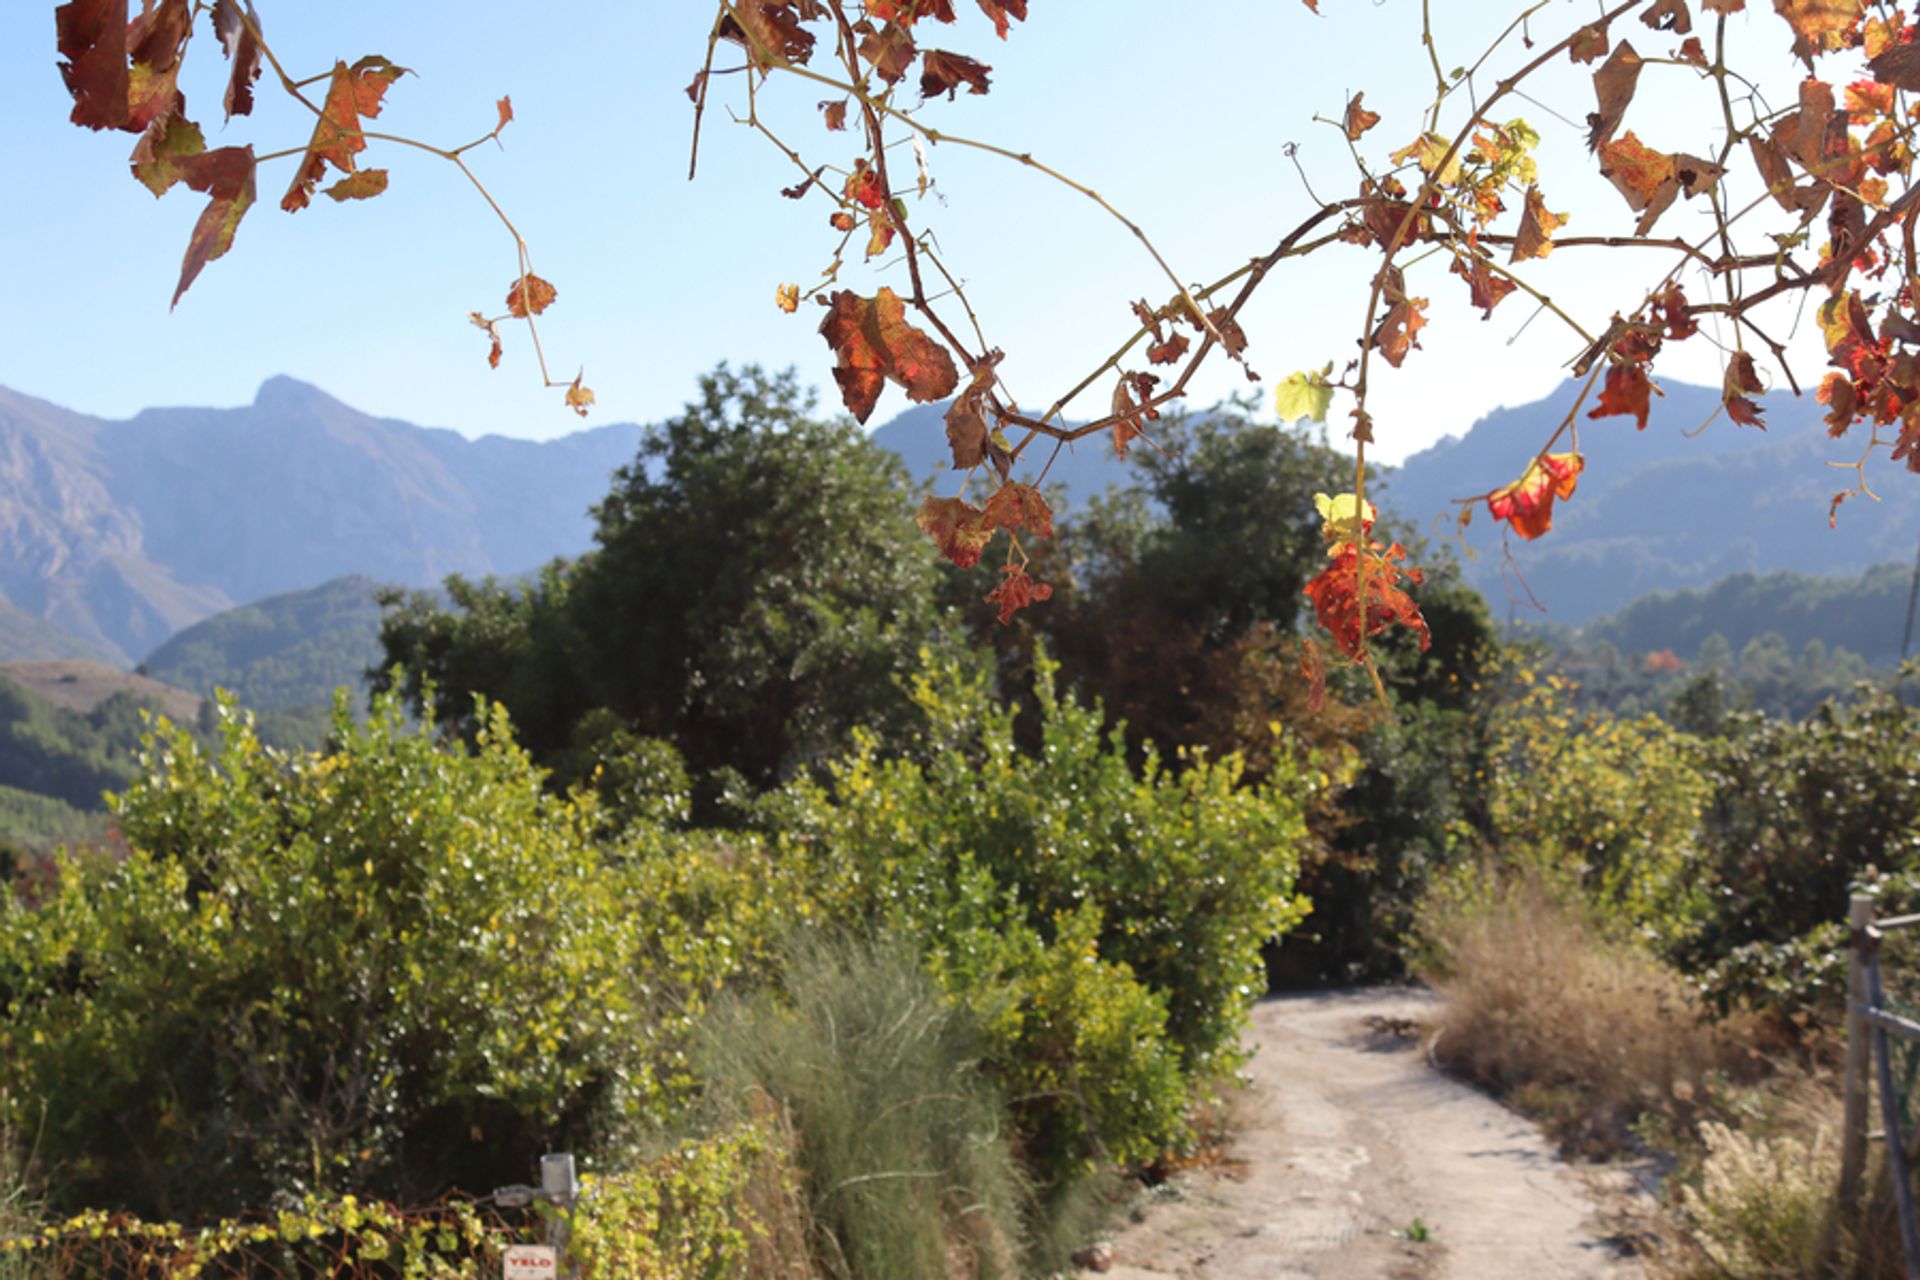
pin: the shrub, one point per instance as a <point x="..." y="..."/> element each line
<point x="1759" y="1205"/>
<point x="1608" y="808"/>
<point x="1106" y="925"/>
<point x="1585" y="1030"/>
<point x="398" y="965"/>
<point x="908" y="1168"/>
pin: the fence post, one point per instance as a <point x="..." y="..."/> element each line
<point x="561" y="1188"/>
<point x="1853" y="1133"/>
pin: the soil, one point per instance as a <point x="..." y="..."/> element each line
<point x="1353" y="1159"/>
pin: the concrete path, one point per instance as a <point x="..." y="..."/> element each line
<point x="1345" y="1140"/>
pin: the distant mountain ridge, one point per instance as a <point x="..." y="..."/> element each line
<point x="1660" y="510"/>
<point x="122" y="533"/>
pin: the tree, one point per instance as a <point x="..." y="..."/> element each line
<point x="1811" y="200"/>
<point x="756" y="592"/>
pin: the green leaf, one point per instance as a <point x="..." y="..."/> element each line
<point x="1303" y="395"/>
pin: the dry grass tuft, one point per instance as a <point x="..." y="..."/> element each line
<point x="1584" y="1032"/>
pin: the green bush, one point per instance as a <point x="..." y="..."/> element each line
<point x="1106" y="924"/>
<point x="400" y="965"/>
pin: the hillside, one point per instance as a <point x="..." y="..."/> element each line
<point x="81" y="687"/>
<point x="286" y="651"/>
<point x="122" y="533"/>
<point x="1658" y="510"/>
<point x="1865" y="613"/>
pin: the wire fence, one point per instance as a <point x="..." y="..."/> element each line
<point x="1883" y="1036"/>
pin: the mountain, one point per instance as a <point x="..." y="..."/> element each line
<point x="1660" y="510"/>
<point x="122" y="533"/>
<point x="287" y="651"/>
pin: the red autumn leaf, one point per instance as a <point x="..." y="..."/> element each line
<point x="155" y="42"/>
<point x="157" y="158"/>
<point x="1001" y="10"/>
<point x="362" y="184"/>
<point x="231" y="25"/>
<point x="943" y="72"/>
<point x="92" y="41"/>
<point x="1691" y="50"/>
<point x="1675" y="312"/>
<point x="968" y="435"/>
<point x="1336" y="596"/>
<point x="863" y="186"/>
<point x="1313" y="669"/>
<point x="1821" y="25"/>
<point x="493" y="331"/>
<point x="354" y="92"/>
<point x="1527" y="503"/>
<point x="1842" y="399"/>
<point x="1168" y="351"/>
<point x="1669" y="15"/>
<point x="873" y="343"/>
<point x="1646" y="177"/>
<point x="890" y="49"/>
<point x="769" y="30"/>
<point x="505" y="107"/>
<point x="1485" y="288"/>
<point x="225" y="175"/>
<point x="835" y="114"/>
<point x="529" y="295"/>
<point x="1359" y="119"/>
<point x="957" y="527"/>
<point x="1741" y="379"/>
<point x="1589" y="43"/>
<point x="1131" y="415"/>
<point x="908" y="12"/>
<point x="1016" y="591"/>
<point x="1626" y="392"/>
<point x="1019" y="506"/>
<point x="1396" y="334"/>
<point x="1613" y="86"/>
<point x="1537" y="226"/>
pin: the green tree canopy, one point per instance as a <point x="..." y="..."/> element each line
<point x="757" y="588"/>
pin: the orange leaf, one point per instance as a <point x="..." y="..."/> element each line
<point x="1537" y="226"/>
<point x="505" y="107"/>
<point x="1740" y="379"/>
<point x="529" y="295"/>
<point x="227" y="176"/>
<point x="1359" y="119"/>
<point x="957" y="527"/>
<point x="353" y="93"/>
<point x="1485" y="288"/>
<point x="1626" y="392"/>
<point x="1001" y="10"/>
<point x="1821" y="25"/>
<point x="1336" y="596"/>
<point x="787" y="298"/>
<point x="1019" y="506"/>
<point x="579" y="397"/>
<point x="943" y="72"/>
<point x="873" y="344"/>
<point x="1527" y="503"/>
<point x="1016" y="591"/>
<point x="493" y="331"/>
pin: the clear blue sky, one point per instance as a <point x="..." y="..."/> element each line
<point x="1180" y="114"/>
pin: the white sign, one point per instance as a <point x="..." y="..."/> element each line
<point x="529" y="1262"/>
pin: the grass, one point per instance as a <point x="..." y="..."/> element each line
<point x="900" y="1138"/>
<point x="1586" y="1033"/>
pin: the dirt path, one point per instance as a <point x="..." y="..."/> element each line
<point x="1346" y="1138"/>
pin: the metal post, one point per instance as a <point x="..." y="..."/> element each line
<point x="559" y="1185"/>
<point x="1853" y="1122"/>
<point x="1890" y="1122"/>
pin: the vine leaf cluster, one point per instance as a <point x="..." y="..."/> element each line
<point x="1831" y="231"/>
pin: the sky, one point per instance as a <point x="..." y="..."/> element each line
<point x="1182" y="116"/>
